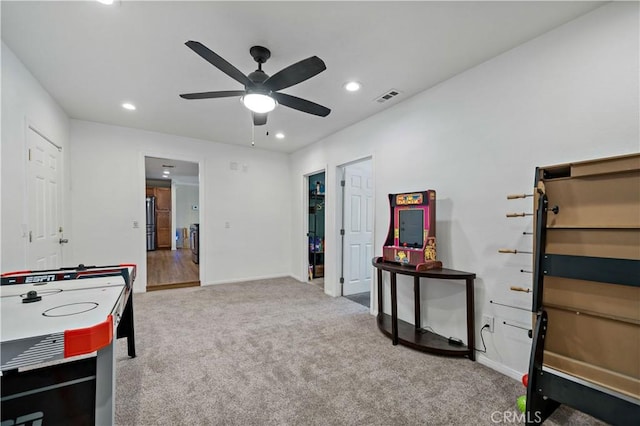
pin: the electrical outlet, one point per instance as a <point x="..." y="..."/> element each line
<point x="488" y="320"/>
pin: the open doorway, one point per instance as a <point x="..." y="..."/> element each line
<point x="356" y="232"/>
<point x="316" y="228"/>
<point x="172" y="223"/>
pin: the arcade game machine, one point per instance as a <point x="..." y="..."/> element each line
<point x="411" y="240"/>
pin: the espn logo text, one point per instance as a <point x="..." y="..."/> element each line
<point x="39" y="278"/>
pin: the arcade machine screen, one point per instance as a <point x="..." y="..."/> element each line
<point x="411" y="228"/>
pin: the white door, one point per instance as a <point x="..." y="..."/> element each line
<point x="44" y="188"/>
<point x="358" y="228"/>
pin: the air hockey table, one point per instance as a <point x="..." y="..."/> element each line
<point x="57" y="343"/>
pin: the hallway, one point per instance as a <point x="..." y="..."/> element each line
<point x="171" y="269"/>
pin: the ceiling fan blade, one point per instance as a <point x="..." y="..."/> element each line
<point x="301" y="104"/>
<point x="210" y="95"/>
<point x="259" y="119"/>
<point x="296" y="73"/>
<point x="218" y="62"/>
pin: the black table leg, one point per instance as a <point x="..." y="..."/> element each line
<point x="380" y="291"/>
<point x="394" y="310"/>
<point x="125" y="327"/>
<point x="416" y="302"/>
<point x="470" y="321"/>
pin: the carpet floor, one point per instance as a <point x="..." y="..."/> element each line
<point x="280" y="352"/>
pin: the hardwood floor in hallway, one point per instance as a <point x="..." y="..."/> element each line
<point x="171" y="269"/>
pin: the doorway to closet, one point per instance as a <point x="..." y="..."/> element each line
<point x="316" y="227"/>
<point x="172" y="211"/>
<point x="356" y="231"/>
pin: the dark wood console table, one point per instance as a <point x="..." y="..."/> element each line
<point x="411" y="334"/>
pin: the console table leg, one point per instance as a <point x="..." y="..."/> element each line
<point x="416" y="302"/>
<point x="380" y="311"/>
<point x="471" y="321"/>
<point x="394" y="310"/>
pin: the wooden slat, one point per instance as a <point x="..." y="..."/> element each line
<point x="609" y="243"/>
<point x="603" y="201"/>
<point x="608" y="300"/>
<point x="602" y="342"/>
<point x="606" y="378"/>
<point x="611" y="165"/>
<point x="618" y="164"/>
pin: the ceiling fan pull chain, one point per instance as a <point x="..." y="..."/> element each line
<point x="253" y="135"/>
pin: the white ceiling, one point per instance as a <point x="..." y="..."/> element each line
<point x="92" y="58"/>
<point x="183" y="172"/>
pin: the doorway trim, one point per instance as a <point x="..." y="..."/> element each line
<point x="142" y="268"/>
<point x="305" y="225"/>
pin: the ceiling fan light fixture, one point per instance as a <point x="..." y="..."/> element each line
<point x="259" y="102"/>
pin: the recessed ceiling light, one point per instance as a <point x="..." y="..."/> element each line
<point x="105" y="1"/>
<point x="352" y="86"/>
<point x="130" y="107"/>
<point x="166" y="172"/>
<point x="165" y="176"/>
<point x="280" y="135"/>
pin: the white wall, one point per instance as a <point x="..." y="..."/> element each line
<point x="107" y="168"/>
<point x="25" y="102"/>
<point x="571" y="94"/>
<point x="186" y="198"/>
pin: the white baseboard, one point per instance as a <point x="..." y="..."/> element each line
<point x="245" y="279"/>
<point x="500" y="368"/>
<point x="303" y="280"/>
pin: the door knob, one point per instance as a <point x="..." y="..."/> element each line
<point x="64" y="240"/>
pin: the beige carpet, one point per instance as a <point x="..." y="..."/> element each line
<point x="281" y="352"/>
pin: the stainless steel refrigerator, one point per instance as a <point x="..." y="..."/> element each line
<point x="151" y="223"/>
<point x="194" y="237"/>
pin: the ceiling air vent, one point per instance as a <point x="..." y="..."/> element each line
<point x="390" y="94"/>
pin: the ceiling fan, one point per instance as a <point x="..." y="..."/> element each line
<point x="260" y="94"/>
